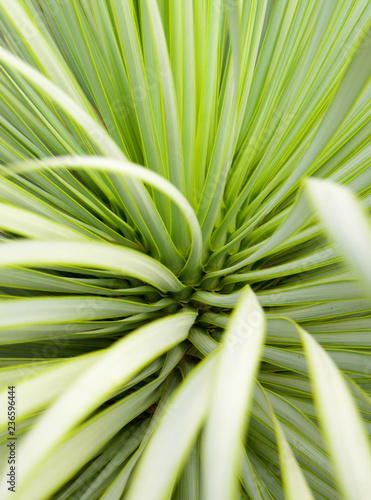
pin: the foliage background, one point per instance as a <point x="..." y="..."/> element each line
<point x="183" y="313"/>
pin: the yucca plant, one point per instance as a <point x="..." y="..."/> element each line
<point x="184" y="314"/>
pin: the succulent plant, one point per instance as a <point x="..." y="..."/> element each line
<point x="185" y="280"/>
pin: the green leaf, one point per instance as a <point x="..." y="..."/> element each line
<point x="156" y="472"/>
<point x="96" y="385"/>
<point x="345" y="221"/>
<point x="99" y="255"/>
<point x="231" y="397"/>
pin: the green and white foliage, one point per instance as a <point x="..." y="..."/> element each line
<point x="185" y="243"/>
